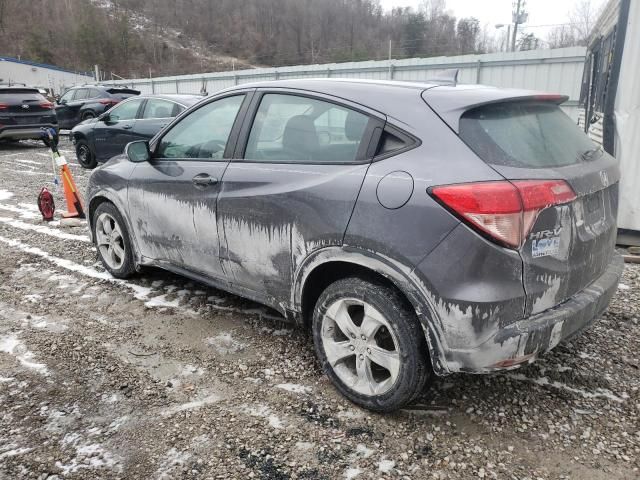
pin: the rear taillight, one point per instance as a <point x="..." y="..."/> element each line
<point x="505" y="211"/>
<point x="108" y="101"/>
<point x="3" y="106"/>
<point x="46" y="105"/>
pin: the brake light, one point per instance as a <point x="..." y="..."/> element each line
<point x="503" y="210"/>
<point x="4" y="106"/>
<point x="47" y="105"/>
<point x="108" y="101"/>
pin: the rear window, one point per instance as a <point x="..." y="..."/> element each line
<point x="19" y="94"/>
<point x="524" y="134"/>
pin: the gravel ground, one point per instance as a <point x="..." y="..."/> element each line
<point x="164" y="378"/>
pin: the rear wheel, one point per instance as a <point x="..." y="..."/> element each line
<point x="88" y="115"/>
<point x="112" y="241"/>
<point x="85" y="156"/>
<point x="370" y="344"/>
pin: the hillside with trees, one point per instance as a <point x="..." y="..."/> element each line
<point x="135" y="38"/>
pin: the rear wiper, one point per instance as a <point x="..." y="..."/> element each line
<point x="590" y="154"/>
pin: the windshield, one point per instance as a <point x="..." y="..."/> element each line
<point x="525" y="134"/>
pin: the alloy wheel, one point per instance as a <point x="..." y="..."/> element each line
<point x="110" y="241"/>
<point x="360" y="346"/>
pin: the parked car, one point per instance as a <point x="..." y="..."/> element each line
<point x="23" y="114"/>
<point x="137" y="118"/>
<point x="412" y="228"/>
<point x="89" y="101"/>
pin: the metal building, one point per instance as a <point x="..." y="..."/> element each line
<point x="611" y="97"/>
<point x="13" y="70"/>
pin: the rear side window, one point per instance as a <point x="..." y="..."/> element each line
<point x="81" y="94"/>
<point x="291" y="128"/>
<point x="524" y="134"/>
<point x="157" y="108"/>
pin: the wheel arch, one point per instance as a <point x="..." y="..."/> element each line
<point x="330" y="264"/>
<point x="101" y="197"/>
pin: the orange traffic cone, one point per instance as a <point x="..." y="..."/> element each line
<point x="75" y="208"/>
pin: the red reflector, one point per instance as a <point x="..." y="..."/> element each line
<point x="106" y="101"/>
<point x="503" y="210"/>
<point x="3" y="106"/>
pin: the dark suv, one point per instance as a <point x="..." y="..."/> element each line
<point x="81" y="103"/>
<point x="24" y="111"/>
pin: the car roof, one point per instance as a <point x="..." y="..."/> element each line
<point x="393" y="97"/>
<point x="181" y="98"/>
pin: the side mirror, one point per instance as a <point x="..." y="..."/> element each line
<point x="62" y="102"/>
<point x="138" y="151"/>
<point x="104" y="117"/>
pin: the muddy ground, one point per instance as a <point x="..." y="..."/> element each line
<point x="163" y="378"/>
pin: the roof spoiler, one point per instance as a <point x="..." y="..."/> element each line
<point x="446" y="77"/>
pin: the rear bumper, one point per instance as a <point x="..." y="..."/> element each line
<point x="25" y="132"/>
<point x="522" y="342"/>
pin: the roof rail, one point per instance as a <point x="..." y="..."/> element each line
<point x="446" y="77"/>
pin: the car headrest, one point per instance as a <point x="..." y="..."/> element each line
<point x="354" y="126"/>
<point x="162" y="112"/>
<point x="300" y="135"/>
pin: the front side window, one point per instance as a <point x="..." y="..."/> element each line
<point x="67" y="96"/>
<point x="157" y="108"/>
<point x="204" y="133"/>
<point x="292" y="128"/>
<point x="125" y="111"/>
<point x="81" y="94"/>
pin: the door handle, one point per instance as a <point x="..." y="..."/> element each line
<point x="127" y="127"/>
<point x="204" y="180"/>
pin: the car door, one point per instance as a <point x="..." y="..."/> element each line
<point x="63" y="109"/>
<point x="113" y="132"/>
<point x="292" y="188"/>
<point x="157" y="113"/>
<point x="172" y="198"/>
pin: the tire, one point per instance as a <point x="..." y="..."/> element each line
<point x="115" y="251"/>
<point x="85" y="156"/>
<point x="88" y="115"/>
<point x="390" y="325"/>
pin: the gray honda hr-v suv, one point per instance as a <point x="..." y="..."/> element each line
<point x="413" y="228"/>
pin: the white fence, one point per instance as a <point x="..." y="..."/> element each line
<point x="558" y="71"/>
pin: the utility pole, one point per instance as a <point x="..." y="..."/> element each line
<point x="390" y="67"/>
<point x="519" y="17"/>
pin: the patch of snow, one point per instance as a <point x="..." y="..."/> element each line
<point x="544" y="382"/>
<point x="294" y="388"/>
<point x="225" y="343"/>
<point x="352" y="472"/>
<point x="263" y="411"/>
<point x="33" y="297"/>
<point x="350" y="414"/>
<point x="172" y="458"/>
<point x="24" y="213"/>
<point x="6" y="379"/>
<point x="5" y="194"/>
<point x="43" y="229"/>
<point x="364" y="451"/>
<point x="161" y="301"/>
<point x="13" y="452"/>
<point x="622" y="286"/>
<point x="13" y="346"/>
<point x="385" y="466"/>
<point x="213" y="398"/>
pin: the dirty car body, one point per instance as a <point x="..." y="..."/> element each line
<point x="502" y="247"/>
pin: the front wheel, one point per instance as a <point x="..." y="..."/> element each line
<point x="85" y="156"/>
<point x="370" y="344"/>
<point x="112" y="241"/>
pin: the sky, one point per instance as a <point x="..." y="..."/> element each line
<point x="541" y="12"/>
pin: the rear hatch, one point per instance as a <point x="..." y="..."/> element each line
<point x="25" y="106"/>
<point x="530" y="138"/>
